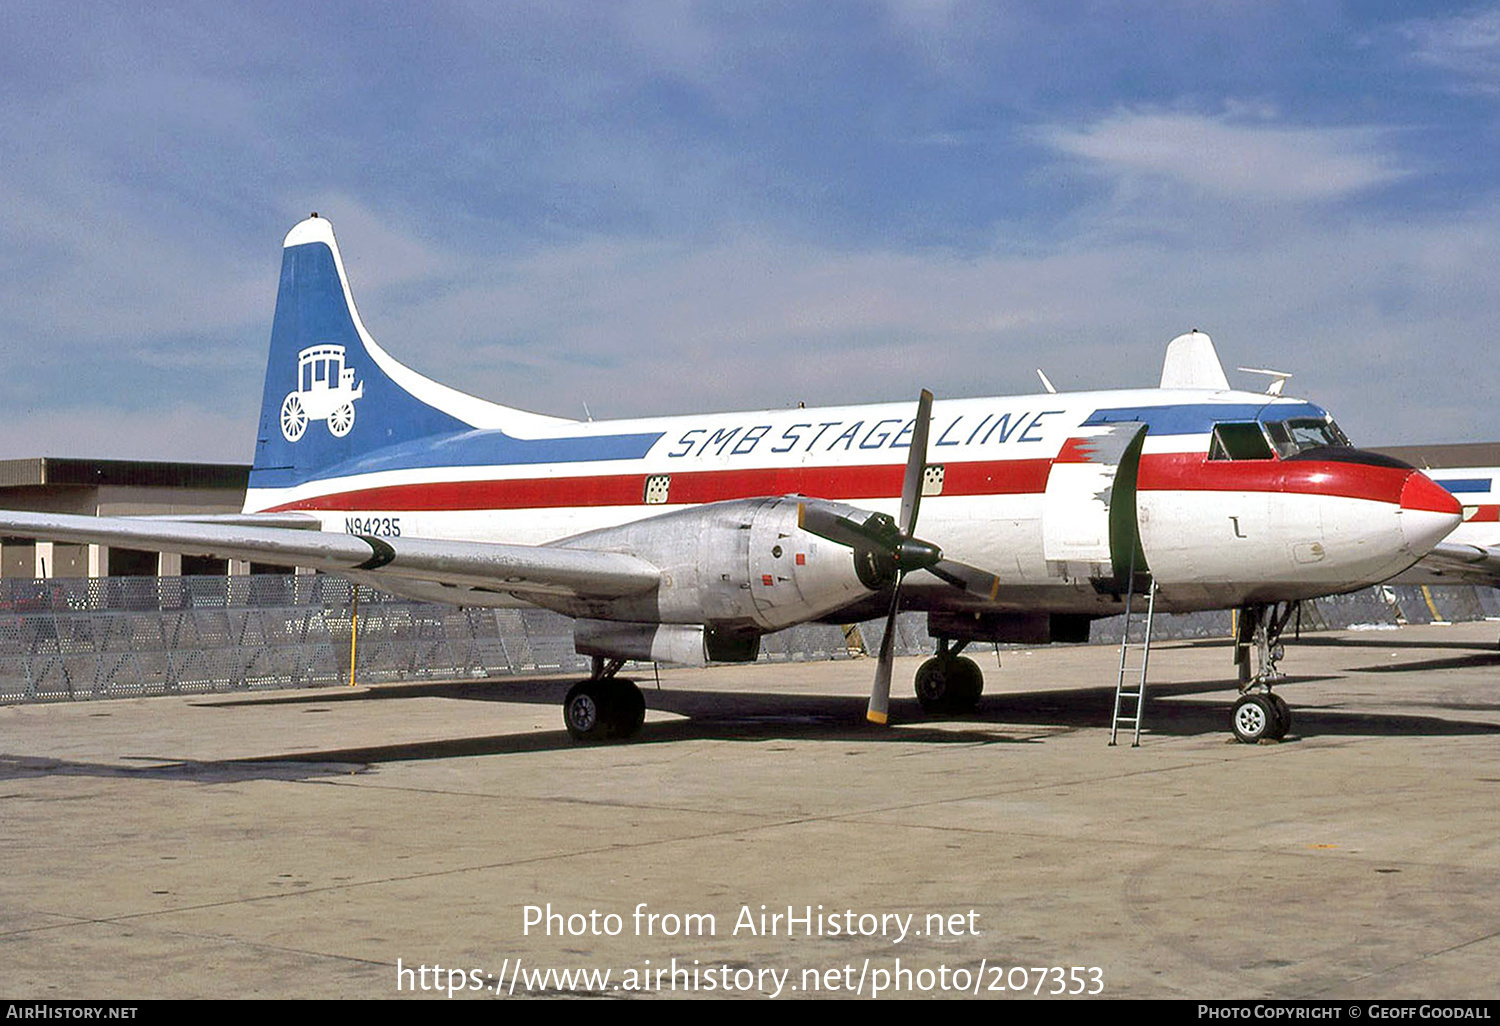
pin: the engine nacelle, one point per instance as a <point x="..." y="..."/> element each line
<point x="742" y="567"/>
<point x="686" y="644"/>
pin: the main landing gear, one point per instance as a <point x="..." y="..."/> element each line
<point x="949" y="682"/>
<point x="1260" y="714"/>
<point x="604" y="707"/>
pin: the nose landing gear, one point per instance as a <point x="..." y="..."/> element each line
<point x="1260" y="714"/>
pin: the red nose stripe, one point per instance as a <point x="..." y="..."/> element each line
<point x="1421" y="492"/>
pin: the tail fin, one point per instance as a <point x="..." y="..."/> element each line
<point x="332" y="395"/>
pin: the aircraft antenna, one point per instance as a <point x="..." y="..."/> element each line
<point x="1045" y="383"/>
<point x="1278" y="378"/>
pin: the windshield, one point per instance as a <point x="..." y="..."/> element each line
<point x="1293" y="436"/>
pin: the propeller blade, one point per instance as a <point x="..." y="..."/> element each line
<point x="965" y="577"/>
<point x="878" y="710"/>
<point x="910" y="554"/>
<point x="916" y="466"/>
<point x="887" y="550"/>
<point x="846" y="525"/>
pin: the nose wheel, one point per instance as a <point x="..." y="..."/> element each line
<point x="1260" y="717"/>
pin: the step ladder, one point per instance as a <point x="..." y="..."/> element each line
<point x="1130" y="687"/>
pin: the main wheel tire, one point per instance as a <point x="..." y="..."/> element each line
<point x="586" y="712"/>
<point x="1283" y="715"/>
<point x="965" y="684"/>
<point x="932" y="685"/>
<point x="627" y="709"/>
<point x="949" y="685"/>
<point x="604" y="710"/>
<point x="1253" y="719"/>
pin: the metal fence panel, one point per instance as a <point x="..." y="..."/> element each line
<point x="72" y="639"/>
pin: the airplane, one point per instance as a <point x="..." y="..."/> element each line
<point x="1470" y="553"/>
<point x="685" y="539"/>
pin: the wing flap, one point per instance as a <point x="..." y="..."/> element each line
<point x="520" y="569"/>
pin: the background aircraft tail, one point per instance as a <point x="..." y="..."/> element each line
<point x="332" y="396"/>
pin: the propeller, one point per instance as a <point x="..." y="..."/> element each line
<point x="887" y="549"/>
<point x="911" y="554"/>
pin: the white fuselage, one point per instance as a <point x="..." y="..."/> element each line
<point x="1012" y="487"/>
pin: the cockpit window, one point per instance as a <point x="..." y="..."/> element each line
<point x="1293" y="436"/>
<point x="1239" y="442"/>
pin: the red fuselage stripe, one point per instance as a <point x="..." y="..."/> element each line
<point x="1190" y="472"/>
<point x="1000" y="477"/>
<point x="1159" y="472"/>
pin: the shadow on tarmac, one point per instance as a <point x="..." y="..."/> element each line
<point x="20" y="767"/>
<point x="1010" y="718"/>
<point x="1394" y="640"/>
<point x="1172" y="710"/>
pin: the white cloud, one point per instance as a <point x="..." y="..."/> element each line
<point x="1226" y="158"/>
<point x="97" y="268"/>
<point x="1468" y="44"/>
<point x="698" y="288"/>
<point x="1376" y="319"/>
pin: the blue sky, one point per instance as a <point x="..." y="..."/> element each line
<point x="667" y="206"/>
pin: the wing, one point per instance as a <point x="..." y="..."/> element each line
<point x="1456" y="563"/>
<point x="521" y="570"/>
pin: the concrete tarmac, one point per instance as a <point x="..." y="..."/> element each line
<point x="344" y="842"/>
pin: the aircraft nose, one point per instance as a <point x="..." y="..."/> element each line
<point x="1428" y="513"/>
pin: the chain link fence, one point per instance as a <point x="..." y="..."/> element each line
<point x="71" y="639"/>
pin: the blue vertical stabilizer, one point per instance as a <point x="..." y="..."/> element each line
<point x="329" y="396"/>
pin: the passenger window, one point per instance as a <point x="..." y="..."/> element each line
<point x="1239" y="442"/>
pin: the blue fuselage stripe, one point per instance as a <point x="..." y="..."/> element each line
<point x="1465" y="484"/>
<point x="1200" y="418"/>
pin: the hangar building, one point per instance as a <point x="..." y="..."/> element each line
<point x="116" y="487"/>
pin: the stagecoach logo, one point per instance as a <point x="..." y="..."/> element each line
<point x="325" y="391"/>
